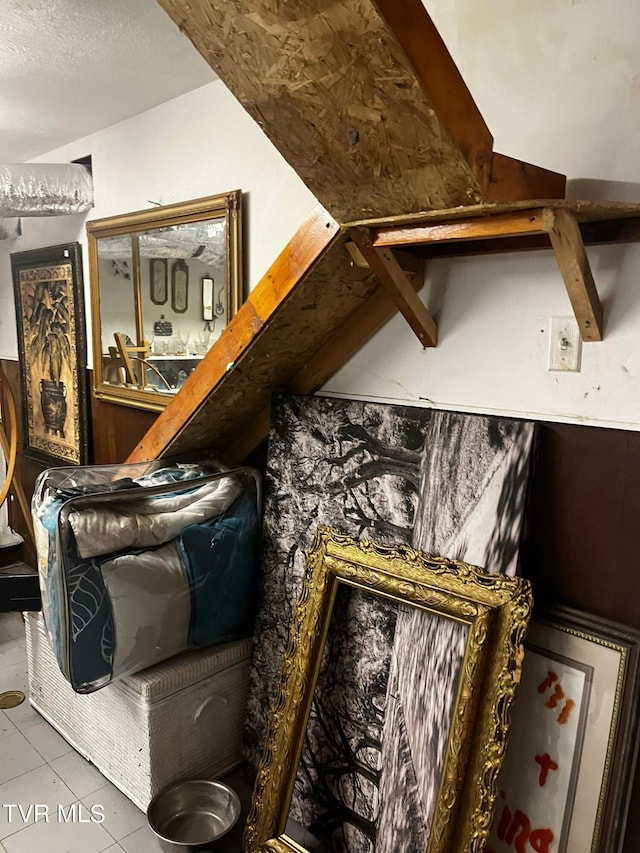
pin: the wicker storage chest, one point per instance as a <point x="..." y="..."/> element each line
<point x="182" y="718"/>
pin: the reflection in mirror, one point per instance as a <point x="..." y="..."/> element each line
<point x="164" y="285"/>
<point x="389" y="729"/>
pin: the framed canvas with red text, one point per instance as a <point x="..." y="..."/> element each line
<point x="566" y="780"/>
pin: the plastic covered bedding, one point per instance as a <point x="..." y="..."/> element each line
<point x="138" y="563"/>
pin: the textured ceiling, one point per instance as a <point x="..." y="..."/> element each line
<point x="71" y="67"/>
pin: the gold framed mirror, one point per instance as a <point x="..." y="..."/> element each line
<point x="164" y="284"/>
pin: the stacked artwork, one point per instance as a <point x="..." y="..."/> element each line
<point x="447" y="483"/>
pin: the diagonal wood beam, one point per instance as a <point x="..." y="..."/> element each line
<point x="310" y="312"/>
<point x="195" y="408"/>
<point x="387" y="269"/>
<point x="566" y="239"/>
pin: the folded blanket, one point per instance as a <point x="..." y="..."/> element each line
<point x="149" y="521"/>
<point x="151" y="606"/>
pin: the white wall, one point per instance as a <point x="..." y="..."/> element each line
<point x="558" y="82"/>
<point x="199" y="144"/>
<point x="493" y="315"/>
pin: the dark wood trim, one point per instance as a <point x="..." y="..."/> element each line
<point x="514" y="179"/>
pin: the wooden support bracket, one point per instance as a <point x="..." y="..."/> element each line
<point x="390" y="274"/>
<point x="410" y="264"/>
<point x="566" y="239"/>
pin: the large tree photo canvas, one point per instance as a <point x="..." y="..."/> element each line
<point x="447" y="483"/>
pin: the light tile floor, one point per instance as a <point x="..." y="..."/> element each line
<point x="38" y="767"/>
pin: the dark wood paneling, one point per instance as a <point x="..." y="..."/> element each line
<point x="116" y="430"/>
<point x="584" y="534"/>
<point x="584" y="522"/>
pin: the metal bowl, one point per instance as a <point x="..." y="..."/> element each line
<point x="191" y="816"/>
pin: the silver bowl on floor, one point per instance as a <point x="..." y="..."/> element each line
<point x="191" y="816"/>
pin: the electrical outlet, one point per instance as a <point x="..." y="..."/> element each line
<point x="565" y="344"/>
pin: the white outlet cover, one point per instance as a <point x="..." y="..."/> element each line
<point x="565" y="344"/>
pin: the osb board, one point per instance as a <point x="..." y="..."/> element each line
<point x="331" y="86"/>
<point x="215" y="405"/>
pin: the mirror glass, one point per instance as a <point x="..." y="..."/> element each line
<point x="164" y="284"/>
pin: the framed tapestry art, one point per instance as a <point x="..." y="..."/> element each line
<point x="567" y="776"/>
<point x="489" y="612"/>
<point x="48" y="293"/>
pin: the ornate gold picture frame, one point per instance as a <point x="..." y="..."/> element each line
<point x="49" y="299"/>
<point x="487" y="615"/>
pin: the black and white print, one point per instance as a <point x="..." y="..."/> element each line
<point x="447" y="483"/>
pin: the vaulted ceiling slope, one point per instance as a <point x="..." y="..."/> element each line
<point x="364" y="101"/>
